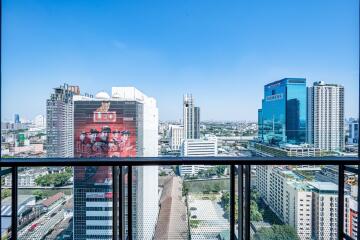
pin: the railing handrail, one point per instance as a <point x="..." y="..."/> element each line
<point x="244" y="230"/>
<point x="148" y="161"/>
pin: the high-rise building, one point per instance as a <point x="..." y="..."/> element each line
<point x="123" y="125"/>
<point x="324" y="210"/>
<point x="325" y="118"/>
<point x="191" y="118"/>
<point x="197" y="148"/>
<point x="59" y="121"/>
<point x="176" y="136"/>
<point x="17" y="118"/>
<point x="282" y="118"/>
<point x="353" y="137"/>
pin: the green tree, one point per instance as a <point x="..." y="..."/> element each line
<point x="185" y="189"/>
<point x="56" y="179"/>
<point x="69" y="170"/>
<point x="277" y="232"/>
<point x="39" y="194"/>
<point x="6" y="192"/>
<point x="220" y="170"/>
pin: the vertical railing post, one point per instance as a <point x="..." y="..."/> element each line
<point x="358" y="202"/>
<point x="340" y="209"/>
<point x="240" y="203"/>
<point x="247" y="203"/>
<point x="120" y="208"/>
<point x="232" y="202"/>
<point x="14" y="202"/>
<point x="0" y="202"/>
<point x="129" y="201"/>
<point x="115" y="203"/>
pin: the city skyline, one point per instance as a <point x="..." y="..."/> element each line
<point x="212" y="51"/>
<point x="145" y="120"/>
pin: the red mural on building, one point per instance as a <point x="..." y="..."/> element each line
<point x="102" y="133"/>
<point x="106" y="135"/>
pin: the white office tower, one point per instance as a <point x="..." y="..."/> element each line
<point x="176" y="135"/>
<point x="325" y="195"/>
<point x="147" y="197"/>
<point x="59" y="121"/>
<point x="191" y="118"/>
<point x="325" y="118"/>
<point x="197" y="148"/>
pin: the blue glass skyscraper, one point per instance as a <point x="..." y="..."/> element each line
<point x="282" y="118"/>
<point x="17" y="118"/>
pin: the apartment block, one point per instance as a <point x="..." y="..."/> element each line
<point x="325" y="117"/>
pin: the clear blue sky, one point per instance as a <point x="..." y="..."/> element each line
<point x="222" y="52"/>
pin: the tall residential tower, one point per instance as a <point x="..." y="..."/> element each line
<point x="191" y="118"/>
<point x="60" y="121"/>
<point x="325" y="118"/>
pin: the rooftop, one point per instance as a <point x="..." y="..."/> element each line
<point x="324" y="186"/>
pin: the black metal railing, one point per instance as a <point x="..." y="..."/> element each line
<point x="240" y="166"/>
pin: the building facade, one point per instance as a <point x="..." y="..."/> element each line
<point x="325" y="118"/>
<point x="351" y="219"/>
<point x="191" y="118"/>
<point x="60" y="121"/>
<point x="176" y="136"/>
<point x="282" y="118"/>
<point x="123" y="125"/>
<point x="197" y="148"/>
<point x="353" y="137"/>
<point x="324" y="209"/>
<point x="309" y="207"/>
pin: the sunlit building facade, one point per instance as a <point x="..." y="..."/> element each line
<point x="282" y="118"/>
<point x="60" y="121"/>
<point x="123" y="125"/>
<point x="325" y="118"/>
<point x="191" y="118"/>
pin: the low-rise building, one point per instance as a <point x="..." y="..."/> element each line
<point x="197" y="148"/>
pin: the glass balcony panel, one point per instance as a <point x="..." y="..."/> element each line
<point x="45" y="203"/>
<point x="294" y="199"/>
<point x="351" y="198"/>
<point x="6" y="199"/>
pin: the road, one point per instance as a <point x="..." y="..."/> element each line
<point x="45" y="223"/>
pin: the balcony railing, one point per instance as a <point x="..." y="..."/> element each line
<point x="239" y="166"/>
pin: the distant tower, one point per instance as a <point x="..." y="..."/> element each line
<point x="17" y="119"/>
<point x="191" y="118"/>
<point x="60" y="121"/>
<point x="325" y="116"/>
